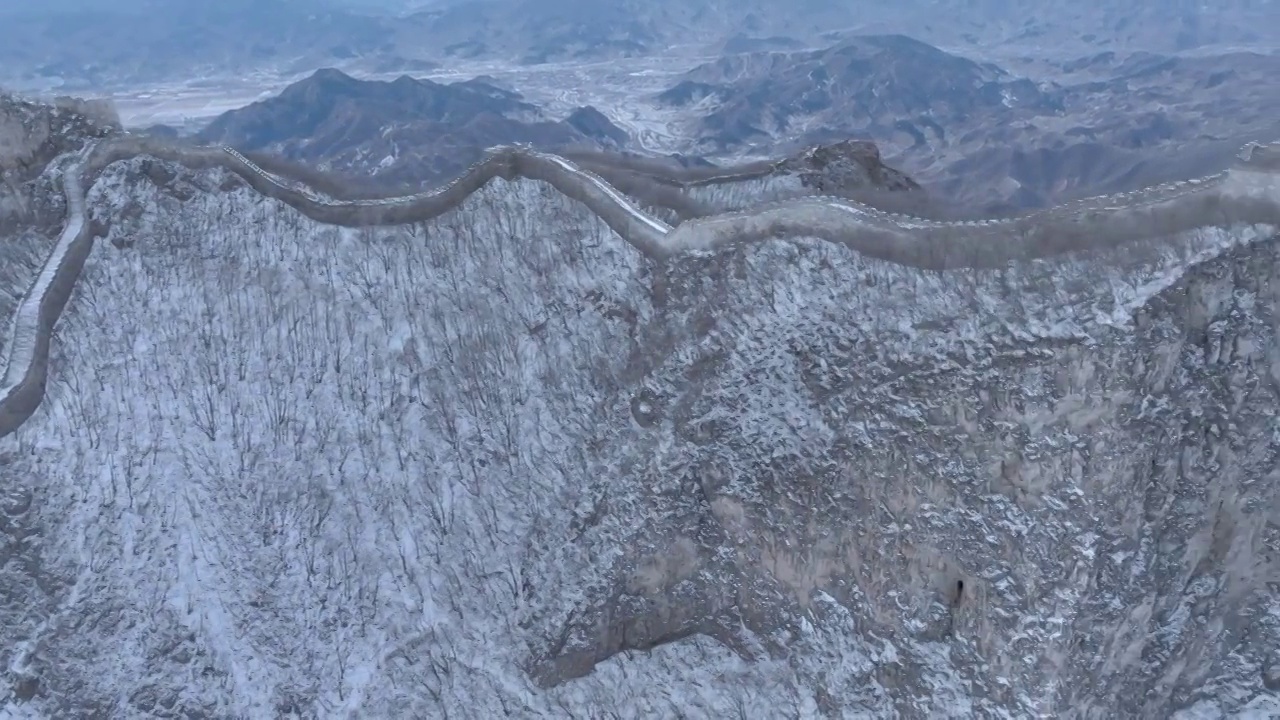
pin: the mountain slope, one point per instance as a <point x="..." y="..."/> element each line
<point x="401" y="130"/>
<point x="980" y="134"/>
<point x="454" y="466"/>
<point x="881" y="84"/>
<point x="927" y="107"/>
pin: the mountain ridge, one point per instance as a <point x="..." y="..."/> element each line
<point x="980" y="133"/>
<point x="1159" y="211"/>
<point x="400" y="130"/>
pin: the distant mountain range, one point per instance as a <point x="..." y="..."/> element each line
<point x="550" y="30"/>
<point x="979" y="133"/>
<point x="103" y="44"/>
<point x="401" y="130"/>
<point x="880" y="85"/>
<point x="975" y="133"/>
<point x="1075" y="113"/>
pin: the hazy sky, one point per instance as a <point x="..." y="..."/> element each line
<point x="34" y="7"/>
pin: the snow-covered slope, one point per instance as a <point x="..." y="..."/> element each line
<point x="502" y="463"/>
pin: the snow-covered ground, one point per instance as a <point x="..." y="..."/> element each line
<point x="287" y="465"/>
<point x="286" y="470"/>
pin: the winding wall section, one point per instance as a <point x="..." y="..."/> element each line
<point x="1249" y="193"/>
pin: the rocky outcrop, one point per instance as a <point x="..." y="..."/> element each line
<point x="595" y="125"/>
<point x="32" y="134"/>
<point x="846" y="166"/>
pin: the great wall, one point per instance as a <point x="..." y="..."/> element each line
<point x="1246" y="194"/>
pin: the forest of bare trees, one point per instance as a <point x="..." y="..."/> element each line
<point x="344" y="463"/>
<point x="315" y="470"/>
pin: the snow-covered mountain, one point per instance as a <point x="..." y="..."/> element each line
<point x="502" y="464"/>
